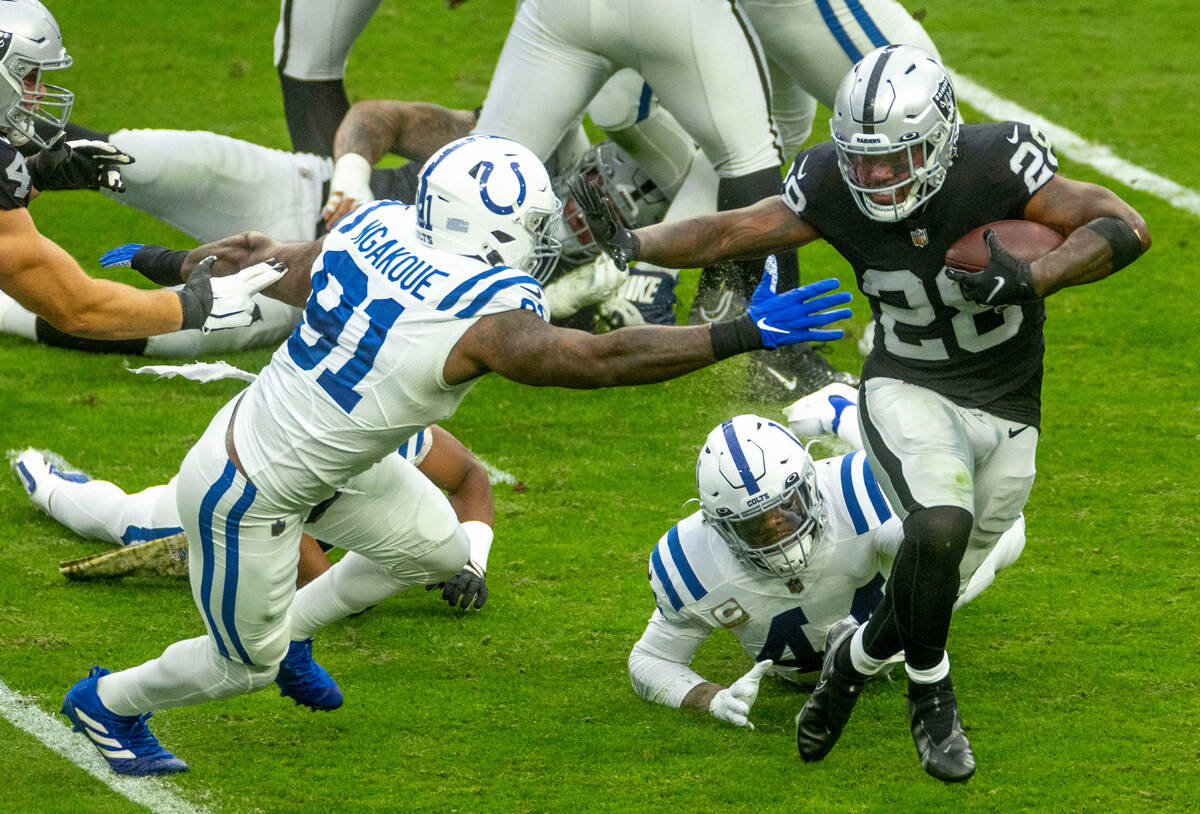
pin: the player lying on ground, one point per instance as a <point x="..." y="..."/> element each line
<point x="950" y="408"/>
<point x="101" y="510"/>
<point x="406" y="308"/>
<point x="786" y="553"/>
<point x="34" y="271"/>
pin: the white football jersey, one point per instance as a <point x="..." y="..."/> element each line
<point x="699" y="586"/>
<point x="363" y="369"/>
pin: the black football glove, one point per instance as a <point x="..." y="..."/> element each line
<point x="81" y="164"/>
<point x="465" y="587"/>
<point x="1003" y="281"/>
<point x="604" y="223"/>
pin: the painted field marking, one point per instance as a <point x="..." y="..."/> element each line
<point x="151" y="792"/>
<point x="1097" y="156"/>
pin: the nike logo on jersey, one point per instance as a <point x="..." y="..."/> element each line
<point x="1015" y="137"/>
<point x="788" y="384"/>
<point x="1014" y="433"/>
<point x="996" y="290"/>
<point x="763" y="326"/>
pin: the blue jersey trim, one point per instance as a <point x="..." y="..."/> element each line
<point x="451" y="299"/>
<point x="349" y="227"/>
<point x="694" y="587"/>
<point x="856" y="513"/>
<point x="490" y="293"/>
<point x="660" y="571"/>
<point x="882" y="510"/>
<point x="644" y="103"/>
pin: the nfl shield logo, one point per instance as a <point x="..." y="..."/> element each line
<point x="277" y="528"/>
<point x="920" y="238"/>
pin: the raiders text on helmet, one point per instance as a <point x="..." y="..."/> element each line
<point x="491" y="198"/>
<point x="895" y="126"/>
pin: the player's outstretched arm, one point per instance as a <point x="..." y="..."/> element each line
<point x="43" y="278"/>
<point x="520" y="346"/>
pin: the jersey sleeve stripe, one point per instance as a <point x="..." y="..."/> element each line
<point x="664" y="580"/>
<point x="690" y="579"/>
<point x="489" y="294"/>
<point x="451" y="299"/>
<point x="868" y="25"/>
<point x="349" y="226"/>
<point x="851" y="497"/>
<point x="882" y="510"/>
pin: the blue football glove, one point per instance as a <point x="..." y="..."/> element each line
<point x="791" y="317"/>
<point x="120" y="256"/>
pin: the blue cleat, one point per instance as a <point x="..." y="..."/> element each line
<point x="306" y="682"/>
<point x="124" y="740"/>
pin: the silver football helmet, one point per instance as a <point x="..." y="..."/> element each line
<point x="30" y="43"/>
<point x="639" y="202"/>
<point x="491" y="198"/>
<point x="895" y="126"/>
<point x="758" y="490"/>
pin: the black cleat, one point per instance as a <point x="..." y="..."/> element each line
<point x="949" y="759"/>
<point x="790" y="372"/>
<point x="824" y="714"/>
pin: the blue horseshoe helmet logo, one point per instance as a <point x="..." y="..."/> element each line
<point x="486" y="168"/>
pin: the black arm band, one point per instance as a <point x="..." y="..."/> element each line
<point x="734" y="336"/>
<point x="159" y="264"/>
<point x="1122" y="239"/>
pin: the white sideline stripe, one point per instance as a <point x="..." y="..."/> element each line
<point x="1097" y="156"/>
<point x="151" y="792"/>
<point x="497" y="475"/>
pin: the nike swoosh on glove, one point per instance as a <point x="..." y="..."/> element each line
<point x="1005" y="280"/>
<point x="794" y="316"/>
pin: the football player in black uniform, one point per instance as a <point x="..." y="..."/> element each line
<point x="950" y="395"/>
<point x="34" y="270"/>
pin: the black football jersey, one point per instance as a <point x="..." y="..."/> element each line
<point x="15" y="180"/>
<point x="926" y="332"/>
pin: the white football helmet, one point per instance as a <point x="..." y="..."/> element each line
<point x="638" y="200"/>
<point x="758" y="490"/>
<point x="30" y="43"/>
<point x="489" y="197"/>
<point x="895" y="127"/>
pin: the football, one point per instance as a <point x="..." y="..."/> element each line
<point x="1025" y="239"/>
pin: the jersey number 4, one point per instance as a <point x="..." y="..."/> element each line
<point x="330" y="314"/>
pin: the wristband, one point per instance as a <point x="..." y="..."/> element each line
<point x="734" y="336"/>
<point x="159" y="264"/>
<point x="479" y="535"/>
<point x="1122" y="239"/>
<point x="194" y="312"/>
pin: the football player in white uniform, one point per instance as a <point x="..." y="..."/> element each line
<point x="406" y="307"/>
<point x="101" y="510"/>
<point x="782" y="549"/>
<point x="34" y="271"/>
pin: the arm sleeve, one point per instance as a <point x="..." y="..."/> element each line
<point x="658" y="663"/>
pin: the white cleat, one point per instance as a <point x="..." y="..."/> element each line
<point x="40" y="477"/>
<point x="820" y="413"/>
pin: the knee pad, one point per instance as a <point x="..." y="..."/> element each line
<point x="942" y="531"/>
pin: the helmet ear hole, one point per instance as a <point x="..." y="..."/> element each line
<point x="502" y="236"/>
<point x="791" y="479"/>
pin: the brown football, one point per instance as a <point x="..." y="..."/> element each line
<point x="1025" y="239"/>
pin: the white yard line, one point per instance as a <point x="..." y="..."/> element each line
<point x="1097" y="156"/>
<point x="151" y="792"/>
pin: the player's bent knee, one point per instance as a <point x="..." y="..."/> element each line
<point x="447" y="559"/>
<point x="940" y="530"/>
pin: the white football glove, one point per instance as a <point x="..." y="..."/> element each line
<point x="217" y="303"/>
<point x="350" y="187"/>
<point x="733" y="703"/>
<point x="584" y="286"/>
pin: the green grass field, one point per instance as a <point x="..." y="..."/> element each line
<point x="1076" y="672"/>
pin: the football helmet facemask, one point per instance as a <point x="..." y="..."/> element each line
<point x="895" y="127"/>
<point x="30" y="43"/>
<point x="491" y="198"/>
<point x="638" y="200"/>
<point x="758" y="490"/>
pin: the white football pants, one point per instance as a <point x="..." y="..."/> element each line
<point x="700" y="56"/>
<point x="313" y="38"/>
<point x="243" y="552"/>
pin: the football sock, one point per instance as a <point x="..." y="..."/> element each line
<point x="313" y="110"/>
<point x="857" y="658"/>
